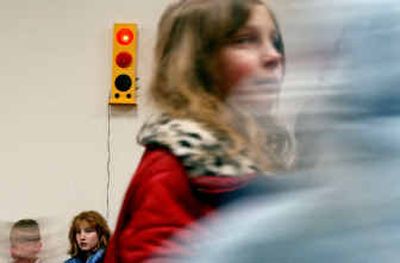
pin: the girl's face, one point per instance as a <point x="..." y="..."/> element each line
<point x="87" y="237"/>
<point x="249" y="65"/>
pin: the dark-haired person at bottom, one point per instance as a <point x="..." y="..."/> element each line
<point x="88" y="235"/>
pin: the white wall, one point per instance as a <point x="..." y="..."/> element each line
<point x="55" y="75"/>
<point x="56" y="126"/>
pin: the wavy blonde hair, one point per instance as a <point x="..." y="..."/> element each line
<point x="190" y="33"/>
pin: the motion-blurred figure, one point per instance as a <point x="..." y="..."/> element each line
<point x="342" y="206"/>
<point x="25" y="241"/>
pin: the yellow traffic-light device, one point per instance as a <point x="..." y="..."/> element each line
<point x="123" y="90"/>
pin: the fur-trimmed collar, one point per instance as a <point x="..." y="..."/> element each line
<point x="197" y="147"/>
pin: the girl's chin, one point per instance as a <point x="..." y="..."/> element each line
<point x="255" y="104"/>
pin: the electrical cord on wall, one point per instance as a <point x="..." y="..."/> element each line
<point x="108" y="161"/>
<point x="108" y="146"/>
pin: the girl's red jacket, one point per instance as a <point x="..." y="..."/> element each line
<point x="162" y="206"/>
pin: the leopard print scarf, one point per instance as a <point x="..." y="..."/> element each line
<point x="199" y="150"/>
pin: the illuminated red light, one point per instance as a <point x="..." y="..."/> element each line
<point x="124" y="36"/>
<point x="123" y="59"/>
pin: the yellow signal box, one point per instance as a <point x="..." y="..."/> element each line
<point x="123" y="90"/>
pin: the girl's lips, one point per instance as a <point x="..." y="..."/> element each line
<point x="257" y="90"/>
<point x="258" y="86"/>
<point x="256" y="96"/>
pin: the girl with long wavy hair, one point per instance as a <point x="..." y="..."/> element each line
<point x="218" y="69"/>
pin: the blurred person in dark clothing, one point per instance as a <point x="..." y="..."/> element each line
<point x="345" y="206"/>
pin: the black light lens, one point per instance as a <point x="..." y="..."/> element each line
<point x="123" y="82"/>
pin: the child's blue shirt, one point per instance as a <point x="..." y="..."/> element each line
<point x="96" y="257"/>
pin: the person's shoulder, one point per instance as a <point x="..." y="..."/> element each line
<point x="158" y="153"/>
<point x="97" y="257"/>
<point x="158" y="160"/>
<point x="71" y="260"/>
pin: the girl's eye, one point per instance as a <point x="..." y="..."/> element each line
<point x="245" y="39"/>
<point x="89" y="230"/>
<point x="277" y="42"/>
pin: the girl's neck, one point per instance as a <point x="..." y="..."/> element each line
<point x="86" y="254"/>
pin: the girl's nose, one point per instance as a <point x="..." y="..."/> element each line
<point x="271" y="59"/>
